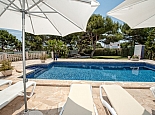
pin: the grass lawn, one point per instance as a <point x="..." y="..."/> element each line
<point x="109" y="57"/>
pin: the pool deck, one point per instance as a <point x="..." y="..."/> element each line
<point x="50" y="95"/>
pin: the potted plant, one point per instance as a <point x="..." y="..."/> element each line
<point x="135" y="58"/>
<point x="6" y="68"/>
<point x="43" y="58"/>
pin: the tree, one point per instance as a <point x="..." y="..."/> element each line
<point x="78" y="41"/>
<point x="95" y="28"/>
<point x="134" y="36"/>
<point x="34" y="42"/>
<point x="112" y="31"/>
<point x="18" y="45"/>
<point x="71" y="40"/>
<point x="83" y="41"/>
<point x="102" y="28"/>
<point x="6" y="39"/>
<point x="150" y="44"/>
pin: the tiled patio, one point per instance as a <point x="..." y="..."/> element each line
<point x="50" y="95"/>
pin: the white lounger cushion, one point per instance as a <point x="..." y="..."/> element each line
<point x="13" y="91"/>
<point x="3" y="82"/>
<point x="123" y="102"/>
<point x="80" y="101"/>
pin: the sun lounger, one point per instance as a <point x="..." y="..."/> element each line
<point x="3" y="82"/>
<point x="153" y="90"/>
<point x="80" y="101"/>
<point x="122" y="102"/>
<point x="10" y="93"/>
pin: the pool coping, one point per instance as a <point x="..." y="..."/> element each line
<point x="95" y="84"/>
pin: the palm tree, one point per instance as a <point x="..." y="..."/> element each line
<point x="57" y="46"/>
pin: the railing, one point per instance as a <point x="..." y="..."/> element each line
<point x="13" y="57"/>
<point x="18" y="56"/>
<point x="1" y="57"/>
<point x="33" y="56"/>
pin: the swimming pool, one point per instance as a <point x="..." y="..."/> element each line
<point x="95" y="71"/>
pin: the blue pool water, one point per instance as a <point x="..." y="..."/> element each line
<point x="91" y="71"/>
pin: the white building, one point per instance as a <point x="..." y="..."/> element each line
<point x="114" y="45"/>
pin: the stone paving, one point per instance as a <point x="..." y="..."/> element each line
<point x="50" y="95"/>
<point x="50" y="99"/>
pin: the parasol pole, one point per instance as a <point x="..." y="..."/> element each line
<point x="23" y="49"/>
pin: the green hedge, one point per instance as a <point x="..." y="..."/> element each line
<point x="127" y="51"/>
<point x="104" y="52"/>
<point x="98" y="52"/>
<point x="124" y="52"/>
<point x="111" y="52"/>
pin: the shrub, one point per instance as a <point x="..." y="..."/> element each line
<point x="87" y="51"/>
<point x="43" y="57"/>
<point x="6" y="65"/>
<point x="135" y="57"/>
<point x="98" y="52"/>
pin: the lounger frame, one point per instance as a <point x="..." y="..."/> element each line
<point x="112" y="111"/>
<point x="122" y="102"/>
<point x="153" y="90"/>
<point x="4" y="82"/>
<point x="15" y="90"/>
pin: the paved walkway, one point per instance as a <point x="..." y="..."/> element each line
<point x="50" y="95"/>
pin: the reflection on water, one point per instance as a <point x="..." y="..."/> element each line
<point x="135" y="70"/>
<point x="114" y="77"/>
<point x="110" y="75"/>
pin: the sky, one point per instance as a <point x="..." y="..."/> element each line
<point x="105" y="6"/>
